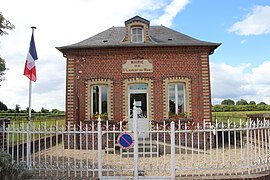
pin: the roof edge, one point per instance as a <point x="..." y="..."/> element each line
<point x="213" y="45"/>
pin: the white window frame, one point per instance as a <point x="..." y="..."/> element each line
<point x="99" y="98"/>
<point x="176" y="96"/>
<point x="137" y="35"/>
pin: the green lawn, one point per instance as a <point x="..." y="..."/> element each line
<point x="16" y="126"/>
<point x="39" y="123"/>
<point x="234" y="116"/>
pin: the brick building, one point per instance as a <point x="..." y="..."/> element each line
<point x="164" y="71"/>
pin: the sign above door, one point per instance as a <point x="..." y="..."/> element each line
<point x="137" y="66"/>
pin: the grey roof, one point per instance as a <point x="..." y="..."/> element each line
<point x="160" y="36"/>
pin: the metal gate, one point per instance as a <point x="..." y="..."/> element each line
<point x="151" y="157"/>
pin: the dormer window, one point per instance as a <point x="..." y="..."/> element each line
<point x="137" y="35"/>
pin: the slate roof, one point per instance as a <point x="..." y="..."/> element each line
<point x="160" y="36"/>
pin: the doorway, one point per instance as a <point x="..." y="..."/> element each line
<point x="138" y="93"/>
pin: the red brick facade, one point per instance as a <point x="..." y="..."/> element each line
<point x="169" y="62"/>
<point x="174" y="58"/>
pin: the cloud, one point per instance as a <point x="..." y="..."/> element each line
<point x="255" y="23"/>
<point x="243" y="41"/>
<point x="229" y="82"/>
<point x="260" y="74"/>
<point x="170" y="11"/>
<point x="60" y="23"/>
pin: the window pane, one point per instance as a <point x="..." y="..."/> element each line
<point x="176" y="98"/>
<point x="100" y="100"/>
<point x="139" y="38"/>
<point x="138" y="87"/>
<point x="180" y="94"/>
<point x="172" y="99"/>
<point x="134" y="38"/>
<point x="104" y="99"/>
<point x="134" y="31"/>
<point x="136" y="35"/>
<point x="95" y="99"/>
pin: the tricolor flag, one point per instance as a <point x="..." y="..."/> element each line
<point x="30" y="67"/>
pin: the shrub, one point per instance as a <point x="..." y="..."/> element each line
<point x="9" y="171"/>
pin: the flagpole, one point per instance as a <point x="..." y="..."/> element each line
<point x="28" y="127"/>
<point x="30" y="88"/>
<point x="28" y="143"/>
<point x="30" y="98"/>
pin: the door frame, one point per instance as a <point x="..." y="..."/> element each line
<point x="142" y="123"/>
<point x="133" y="81"/>
<point x="136" y="91"/>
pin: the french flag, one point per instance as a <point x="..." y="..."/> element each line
<point x="30" y="67"/>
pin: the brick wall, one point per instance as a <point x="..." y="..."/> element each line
<point x="190" y="63"/>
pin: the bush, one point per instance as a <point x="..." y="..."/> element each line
<point x="9" y="171"/>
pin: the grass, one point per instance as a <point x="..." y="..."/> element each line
<point x="38" y="123"/>
<point x="234" y="116"/>
<point x="17" y="126"/>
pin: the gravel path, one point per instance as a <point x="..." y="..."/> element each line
<point x="58" y="163"/>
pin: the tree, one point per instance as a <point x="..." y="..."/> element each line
<point x="242" y="102"/>
<point x="261" y="103"/>
<point x="32" y="110"/>
<point x="2" y="69"/>
<point x="3" y="107"/>
<point x="227" y="102"/>
<point x="217" y="108"/>
<point x="17" y="108"/>
<point x="43" y="110"/>
<point x="252" y="103"/>
<point x="55" y="111"/>
<point x="4" y="26"/>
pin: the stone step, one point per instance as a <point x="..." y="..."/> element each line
<point x="140" y="154"/>
<point x="143" y="149"/>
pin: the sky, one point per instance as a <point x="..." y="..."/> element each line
<point x="240" y="67"/>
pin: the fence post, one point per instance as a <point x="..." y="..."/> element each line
<point x="27" y="145"/>
<point x="172" y="150"/>
<point x="135" y="117"/>
<point x="99" y="149"/>
<point x="248" y="146"/>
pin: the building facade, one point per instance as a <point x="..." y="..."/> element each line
<point x="165" y="72"/>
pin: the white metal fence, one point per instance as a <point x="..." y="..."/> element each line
<point x="169" y="150"/>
